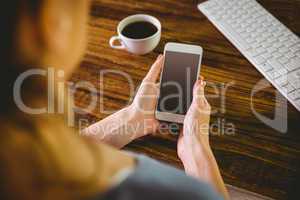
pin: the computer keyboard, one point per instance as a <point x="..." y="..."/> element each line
<point x="269" y="45"/>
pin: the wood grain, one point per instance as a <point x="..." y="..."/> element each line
<point x="257" y="158"/>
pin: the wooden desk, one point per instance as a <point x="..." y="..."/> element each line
<point x="257" y="158"/>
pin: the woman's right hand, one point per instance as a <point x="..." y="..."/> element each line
<point x="193" y="146"/>
<point x="193" y="143"/>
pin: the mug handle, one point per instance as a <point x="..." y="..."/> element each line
<point x="112" y="41"/>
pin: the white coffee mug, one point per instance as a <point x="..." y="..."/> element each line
<point x="137" y="46"/>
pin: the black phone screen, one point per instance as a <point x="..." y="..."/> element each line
<point x="178" y="77"/>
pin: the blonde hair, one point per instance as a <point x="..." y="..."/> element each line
<point x="39" y="158"/>
<point x="39" y="161"/>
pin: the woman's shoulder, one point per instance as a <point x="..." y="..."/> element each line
<point x="155" y="180"/>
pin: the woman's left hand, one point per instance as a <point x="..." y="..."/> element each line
<point x="134" y="121"/>
<point x="145" y="101"/>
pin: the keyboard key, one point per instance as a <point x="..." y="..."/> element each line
<point x="272" y="39"/>
<point x="271" y="50"/>
<point x="266" y="44"/>
<point x="250" y="40"/>
<point x="276" y="65"/>
<point x="266" y="55"/>
<point x="295" y="48"/>
<point x="277" y="44"/>
<point x="253" y="53"/>
<point x="260" y="60"/>
<point x="245" y="35"/>
<point x="277" y="34"/>
<point x="266" y="24"/>
<point x="255" y="45"/>
<point x="294" y="78"/>
<point x="283" y="60"/>
<point x="276" y="55"/>
<point x="255" y="34"/>
<point x="267" y="67"/>
<point x="245" y="25"/>
<point x="261" y="39"/>
<point x="288" y="88"/>
<point x="260" y="19"/>
<point x="236" y="26"/>
<point x="250" y="21"/>
<point x="283" y="50"/>
<point x="289" y="43"/>
<point x="273" y="74"/>
<point x="261" y="50"/>
<point x="294" y="64"/>
<point x="276" y="75"/>
<point x="267" y="34"/>
<point x="289" y="55"/>
<point x="272" y="29"/>
<point x="294" y="95"/>
<point x="282" y="71"/>
<point x="282" y="81"/>
<point x="250" y="29"/>
<point x="294" y="38"/>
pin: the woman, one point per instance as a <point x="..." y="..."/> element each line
<point x="41" y="158"/>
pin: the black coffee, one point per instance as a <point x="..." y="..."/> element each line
<point x="139" y="30"/>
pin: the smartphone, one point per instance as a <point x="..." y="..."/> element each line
<point x="180" y="72"/>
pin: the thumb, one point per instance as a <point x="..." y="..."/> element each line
<point x="180" y="145"/>
<point x="198" y="92"/>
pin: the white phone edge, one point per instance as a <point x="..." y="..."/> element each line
<point x="184" y="48"/>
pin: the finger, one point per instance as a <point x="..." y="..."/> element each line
<point x="157" y="86"/>
<point x="199" y="93"/>
<point x="201" y="78"/>
<point x="150" y="87"/>
<point x="155" y="127"/>
<point x="180" y="144"/>
<point x="180" y="135"/>
<point x="207" y="105"/>
<point x="155" y="70"/>
<point x="199" y="89"/>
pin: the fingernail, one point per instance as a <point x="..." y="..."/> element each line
<point x="201" y="82"/>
